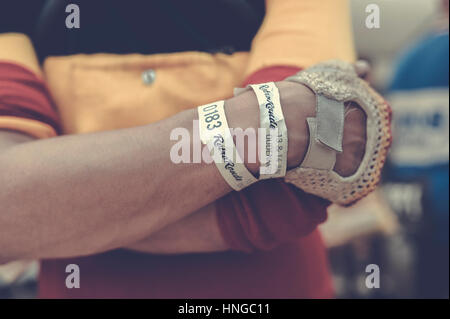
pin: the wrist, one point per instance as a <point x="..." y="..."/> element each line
<point x="242" y="112"/>
<point x="298" y="103"/>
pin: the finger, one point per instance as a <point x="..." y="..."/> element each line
<point x="362" y="68"/>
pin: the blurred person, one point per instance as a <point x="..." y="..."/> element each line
<point x="102" y="195"/>
<point x="419" y="96"/>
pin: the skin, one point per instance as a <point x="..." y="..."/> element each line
<point x="83" y="194"/>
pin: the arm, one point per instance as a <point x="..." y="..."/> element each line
<point x="58" y="191"/>
<point x="233" y="219"/>
<point x="82" y="194"/>
<point x="259" y="217"/>
<point x="198" y="232"/>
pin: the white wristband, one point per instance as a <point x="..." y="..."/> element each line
<point x="274" y="140"/>
<point x="215" y="133"/>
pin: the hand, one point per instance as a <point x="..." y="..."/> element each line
<point x="299" y="102"/>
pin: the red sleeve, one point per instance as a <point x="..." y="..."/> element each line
<point x="270" y="212"/>
<point x="24" y="95"/>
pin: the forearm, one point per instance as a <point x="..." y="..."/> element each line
<point x="82" y="194"/>
<point x="196" y="233"/>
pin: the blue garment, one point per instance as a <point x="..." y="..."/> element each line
<point x="425" y="65"/>
<point x="419" y="90"/>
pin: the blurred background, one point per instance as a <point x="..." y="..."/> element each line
<point x="403" y="227"/>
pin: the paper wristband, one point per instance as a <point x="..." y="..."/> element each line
<point x="274" y="139"/>
<point x="215" y="133"/>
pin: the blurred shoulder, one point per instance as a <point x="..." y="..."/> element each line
<point x="18" y="48"/>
